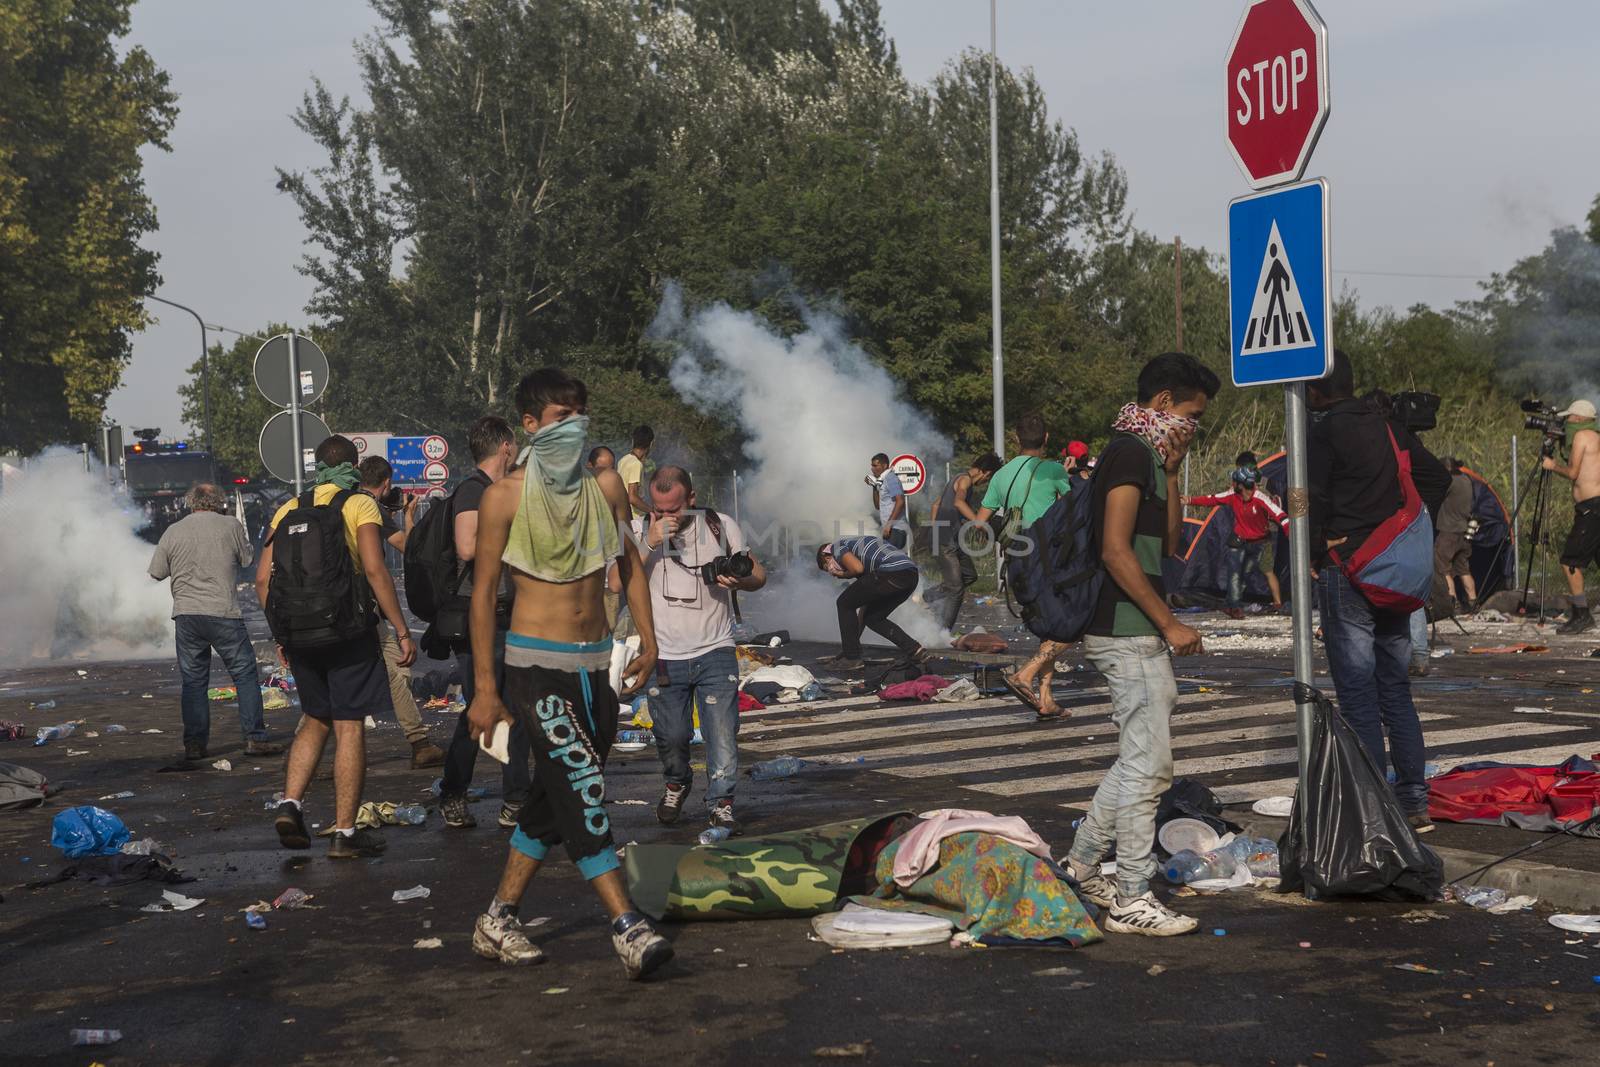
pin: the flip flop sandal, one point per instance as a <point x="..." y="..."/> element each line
<point x="1025" y="695"/>
<point x="1054" y="716"/>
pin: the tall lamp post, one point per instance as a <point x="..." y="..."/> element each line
<point x="994" y="240"/>
<point x="205" y="380"/>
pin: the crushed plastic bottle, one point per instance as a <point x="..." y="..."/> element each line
<point x="255" y="920"/>
<point x="1259" y="854"/>
<point x="48" y="734"/>
<point x="96" y="1037"/>
<point x="1482" y="897"/>
<point x="773" y="769"/>
<point x="715" y="835"/>
<point x="43" y="705"/>
<point x="143" y="847"/>
<point x="1191" y="866"/>
<point x="411" y="814"/>
<point x="416" y="892"/>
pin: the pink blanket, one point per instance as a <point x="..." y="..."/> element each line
<point x="918" y="851"/>
<point x="917" y="689"/>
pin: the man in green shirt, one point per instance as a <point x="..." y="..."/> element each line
<point x="1024" y="489"/>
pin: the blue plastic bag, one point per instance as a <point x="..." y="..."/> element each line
<point x="88" y="831"/>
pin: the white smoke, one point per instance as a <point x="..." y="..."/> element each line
<point x="814" y="408"/>
<point x="73" y="581"/>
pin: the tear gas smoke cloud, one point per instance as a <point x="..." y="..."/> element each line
<point x="1554" y="347"/>
<point x="813" y="409"/>
<point x="73" y="581"/>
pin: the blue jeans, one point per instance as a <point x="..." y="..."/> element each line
<point x="1240" y="561"/>
<point x="1419" y="636"/>
<point x="197" y="636"/>
<point x="1144" y="693"/>
<point x="1368" y="652"/>
<point x="462" y="754"/>
<point x="713" y="680"/>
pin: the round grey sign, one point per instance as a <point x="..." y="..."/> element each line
<point x="277" y="445"/>
<point x="273" y="375"/>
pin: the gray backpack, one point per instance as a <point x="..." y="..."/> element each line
<point x="21" y="788"/>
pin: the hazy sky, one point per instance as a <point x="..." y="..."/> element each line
<point x="1461" y="134"/>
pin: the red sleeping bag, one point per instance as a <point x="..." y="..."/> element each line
<point x="1528" y="798"/>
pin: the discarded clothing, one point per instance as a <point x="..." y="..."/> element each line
<point x="1543" y="799"/>
<point x="1520" y="647"/>
<point x="1190" y="799"/>
<point x="116" y="870"/>
<point x="922" y="688"/>
<point x="787" y="676"/>
<point x="749" y="703"/>
<point x="989" y="644"/>
<point x="21" y="787"/>
<point x="918" y="850"/>
<point x="990" y="888"/>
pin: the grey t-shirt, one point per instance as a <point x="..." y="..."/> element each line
<point x="202" y="553"/>
<point x="1456" y="512"/>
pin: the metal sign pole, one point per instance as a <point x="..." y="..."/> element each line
<point x="1516" y="523"/>
<point x="294" y="415"/>
<point x="1300" y="562"/>
<point x="994" y="241"/>
<point x="735" y="496"/>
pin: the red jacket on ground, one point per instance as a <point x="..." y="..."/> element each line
<point x="1253" y="518"/>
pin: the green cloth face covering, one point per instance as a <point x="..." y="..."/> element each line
<point x="344" y="475"/>
<point x="564" y="529"/>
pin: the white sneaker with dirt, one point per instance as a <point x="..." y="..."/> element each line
<point x="1093" y="886"/>
<point x="641" y="948"/>
<point x="502" y="939"/>
<point x="1144" y="914"/>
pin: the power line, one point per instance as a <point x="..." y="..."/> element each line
<point x="1417" y="274"/>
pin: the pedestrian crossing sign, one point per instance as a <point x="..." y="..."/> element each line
<point x="1279" y="302"/>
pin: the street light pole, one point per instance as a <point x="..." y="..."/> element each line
<point x="994" y="239"/>
<point x="205" y="380"/>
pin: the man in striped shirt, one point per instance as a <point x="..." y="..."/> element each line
<point x="881" y="579"/>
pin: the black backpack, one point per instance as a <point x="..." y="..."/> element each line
<point x="315" y="596"/>
<point x="431" y="567"/>
<point x="1053" y="567"/>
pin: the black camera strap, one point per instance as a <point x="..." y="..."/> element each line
<point x="714" y="524"/>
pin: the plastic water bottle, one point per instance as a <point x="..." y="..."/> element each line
<point x="1185" y="867"/>
<point x="43" y="705"/>
<point x="1483" y="897"/>
<point x="715" y="835"/>
<point x="410" y="814"/>
<point x="96" y="1037"/>
<point x="1220" y="863"/>
<point x="782" y="767"/>
<point x="47" y="734"/>
<point x="143" y="847"/>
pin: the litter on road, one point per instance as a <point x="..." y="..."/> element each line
<point x="171" y="901"/>
<point x="1577" y="924"/>
<point x="416" y="892"/>
<point x="428" y="942"/>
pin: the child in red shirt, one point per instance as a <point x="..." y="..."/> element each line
<point x="1254" y="516"/>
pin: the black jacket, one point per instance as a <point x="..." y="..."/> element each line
<point x="1354" y="481"/>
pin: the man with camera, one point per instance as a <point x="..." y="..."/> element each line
<point x="697" y="564"/>
<point x="888" y="501"/>
<point x="1583" y="542"/>
<point x="377" y="481"/>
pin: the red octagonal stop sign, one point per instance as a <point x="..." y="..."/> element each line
<point x="1277" y="89"/>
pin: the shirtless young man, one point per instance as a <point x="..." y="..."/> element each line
<point x="1583" y="543"/>
<point x="557" y="527"/>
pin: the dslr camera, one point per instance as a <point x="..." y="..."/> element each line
<point x="1542" y="417"/>
<point x="394" y="499"/>
<point x="736" y="565"/>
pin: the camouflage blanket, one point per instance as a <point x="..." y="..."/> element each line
<point x="994" y="890"/>
<point x="795" y="873"/>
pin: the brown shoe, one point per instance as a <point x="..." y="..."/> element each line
<point x="262" y="748"/>
<point x="425" y="754"/>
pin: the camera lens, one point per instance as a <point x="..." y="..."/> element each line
<point x="740" y="565"/>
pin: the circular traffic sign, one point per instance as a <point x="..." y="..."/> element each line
<point x="913" y="475"/>
<point x="436" y="493"/>
<point x="435" y="472"/>
<point x="1277" y="71"/>
<point x="277" y="445"/>
<point x="435" y="447"/>
<point x="272" y="371"/>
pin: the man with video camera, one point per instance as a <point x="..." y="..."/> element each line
<point x="1583" y="471"/>
<point x="697" y="564"/>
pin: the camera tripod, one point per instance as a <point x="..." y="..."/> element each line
<point x="1538" y="484"/>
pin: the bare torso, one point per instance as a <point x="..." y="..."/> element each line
<point x="1585" y="466"/>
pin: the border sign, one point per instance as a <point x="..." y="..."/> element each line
<point x="912" y="472"/>
<point x="435" y="473"/>
<point x="1280" y="303"/>
<point x="407" y="459"/>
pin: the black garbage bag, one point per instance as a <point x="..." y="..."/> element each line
<point x="1347" y="836"/>
<point x="1190" y="799"/>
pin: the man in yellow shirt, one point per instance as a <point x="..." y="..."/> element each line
<point x="321" y="612"/>
<point x="631" y="469"/>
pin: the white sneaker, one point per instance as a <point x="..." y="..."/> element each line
<point x="502" y="939"/>
<point x="1144" y="914"/>
<point x="1093" y="886"/>
<point x="642" y="949"/>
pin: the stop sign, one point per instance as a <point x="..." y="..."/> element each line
<point x="1277" y="89"/>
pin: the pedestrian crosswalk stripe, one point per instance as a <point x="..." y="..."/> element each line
<point x="1204" y="765"/>
<point x="979" y="764"/>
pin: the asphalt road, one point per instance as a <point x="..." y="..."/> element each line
<point x="1269" y="979"/>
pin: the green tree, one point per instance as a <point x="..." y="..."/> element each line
<point x="74" y="116"/>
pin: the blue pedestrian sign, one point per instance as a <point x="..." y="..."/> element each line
<point x="1280" y="306"/>
<point x="407" y="458"/>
